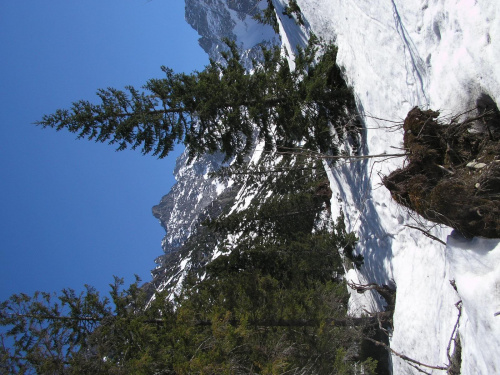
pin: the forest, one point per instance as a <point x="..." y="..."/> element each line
<point x="275" y="300"/>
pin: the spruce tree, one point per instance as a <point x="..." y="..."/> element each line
<point x="220" y="108"/>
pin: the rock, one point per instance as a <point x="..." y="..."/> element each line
<point x="476" y="165"/>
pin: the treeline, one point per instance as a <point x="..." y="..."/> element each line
<point x="274" y="302"/>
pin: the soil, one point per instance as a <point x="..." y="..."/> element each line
<point x="452" y="174"/>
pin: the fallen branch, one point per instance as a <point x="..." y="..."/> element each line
<point x="348" y="157"/>
<point x="452" y="337"/>
<point x="405" y="357"/>
<point x="427" y="234"/>
<point x="387" y="293"/>
<point x="419" y="369"/>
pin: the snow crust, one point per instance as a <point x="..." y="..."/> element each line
<point x="397" y="54"/>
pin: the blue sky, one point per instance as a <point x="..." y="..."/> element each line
<point x="75" y="212"/>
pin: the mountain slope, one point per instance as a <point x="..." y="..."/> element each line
<point x="395" y="55"/>
<point x="398" y="55"/>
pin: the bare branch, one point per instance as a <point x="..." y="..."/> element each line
<point x="427" y="234"/>
<point x="405" y="357"/>
<point x="453" y="336"/>
<point x="318" y="155"/>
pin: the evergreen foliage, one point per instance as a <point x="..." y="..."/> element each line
<point x="274" y="302"/>
<point x="292" y="8"/>
<point x="268" y="16"/>
<point x="221" y="107"/>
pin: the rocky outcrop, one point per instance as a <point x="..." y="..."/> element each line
<point x="217" y="20"/>
<point x="193" y="198"/>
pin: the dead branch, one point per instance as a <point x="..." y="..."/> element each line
<point x="383" y="119"/>
<point x="348" y="157"/>
<point x="454" y="119"/>
<point x="419" y="369"/>
<point x="472" y="119"/>
<point x="387" y="293"/>
<point x="427" y="234"/>
<point x="453" y="335"/>
<point x="405" y="357"/>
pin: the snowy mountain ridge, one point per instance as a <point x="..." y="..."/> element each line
<point x="396" y="55"/>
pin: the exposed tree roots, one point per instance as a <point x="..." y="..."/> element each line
<point x="452" y="175"/>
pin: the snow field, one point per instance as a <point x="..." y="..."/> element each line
<point x="398" y="54"/>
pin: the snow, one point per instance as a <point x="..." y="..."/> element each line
<point x="245" y="195"/>
<point x="221" y="187"/>
<point x="250" y="32"/>
<point x="474" y="266"/>
<point x="292" y="35"/>
<point x="398" y="54"/>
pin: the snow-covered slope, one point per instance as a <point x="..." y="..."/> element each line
<point x="399" y="54"/>
<point x="396" y="54"/>
<point x="217" y="20"/>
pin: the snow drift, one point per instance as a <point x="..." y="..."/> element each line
<point x="439" y="55"/>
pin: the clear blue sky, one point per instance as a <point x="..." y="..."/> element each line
<point x="72" y="211"/>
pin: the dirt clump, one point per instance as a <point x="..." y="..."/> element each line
<point x="452" y="174"/>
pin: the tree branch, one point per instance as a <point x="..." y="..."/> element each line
<point x="56" y="317"/>
<point x="405" y="357"/>
<point x="427" y="234"/>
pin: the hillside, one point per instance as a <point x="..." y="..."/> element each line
<point x="336" y="209"/>
<point x="396" y="56"/>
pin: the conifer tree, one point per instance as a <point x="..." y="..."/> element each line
<point x="269" y="303"/>
<point x="219" y="108"/>
<point x="268" y="16"/>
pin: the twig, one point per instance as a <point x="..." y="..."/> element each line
<point x="419" y="369"/>
<point x="485" y="114"/>
<point x="423" y="126"/>
<point x="426" y="234"/>
<point x="383" y="119"/>
<point x="461" y="114"/>
<point x="452" y="337"/>
<point x="445" y="169"/>
<point x="405" y="357"/>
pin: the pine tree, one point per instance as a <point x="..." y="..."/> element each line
<point x="293" y="8"/>
<point x="275" y="301"/>
<point x="220" y="108"/>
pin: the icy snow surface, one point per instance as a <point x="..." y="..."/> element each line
<point x="440" y="54"/>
